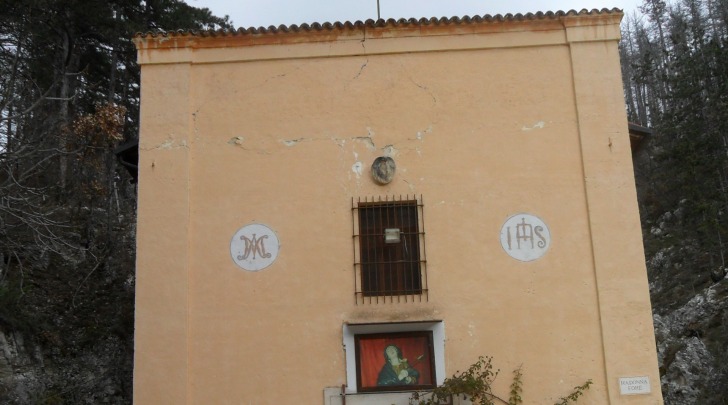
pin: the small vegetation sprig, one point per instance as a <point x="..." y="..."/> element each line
<point x="578" y="391"/>
<point x="476" y="384"/>
<point x="516" y="387"/>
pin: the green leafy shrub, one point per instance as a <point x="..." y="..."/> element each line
<point x="476" y="383"/>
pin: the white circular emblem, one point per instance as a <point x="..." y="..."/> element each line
<point x="254" y="247"/>
<point x="525" y="237"/>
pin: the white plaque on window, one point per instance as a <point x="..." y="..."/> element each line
<point x="254" y="247"/>
<point x="525" y="237"/>
<point x="634" y="385"/>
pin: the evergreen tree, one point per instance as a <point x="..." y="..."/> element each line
<point x="69" y="95"/>
<point x="675" y="72"/>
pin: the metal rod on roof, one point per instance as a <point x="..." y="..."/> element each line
<point x="378" y="15"/>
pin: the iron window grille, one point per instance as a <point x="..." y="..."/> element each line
<point x="389" y="249"/>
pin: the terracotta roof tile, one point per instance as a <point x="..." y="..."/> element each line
<point x="381" y="23"/>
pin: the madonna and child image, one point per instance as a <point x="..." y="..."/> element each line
<point x="396" y="370"/>
<point x="396" y="361"/>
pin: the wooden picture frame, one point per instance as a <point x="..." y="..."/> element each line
<point x="399" y="361"/>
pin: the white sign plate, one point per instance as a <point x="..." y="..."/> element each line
<point x="254" y="247"/>
<point x="634" y="385"/>
<point x="525" y="237"/>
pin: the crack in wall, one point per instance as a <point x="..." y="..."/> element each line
<point x="389" y="150"/>
<point x="292" y="142"/>
<point x="240" y="140"/>
<point x="195" y="126"/>
<point x="266" y="81"/>
<point x="361" y="69"/>
<point x="366" y="140"/>
<point x="426" y="89"/>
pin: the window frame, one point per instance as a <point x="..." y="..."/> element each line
<point x="387" y="272"/>
<point x="351" y="330"/>
<point x="422" y="363"/>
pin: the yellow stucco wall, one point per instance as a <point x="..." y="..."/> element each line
<point x="483" y="119"/>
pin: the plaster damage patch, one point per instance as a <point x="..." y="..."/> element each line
<point x="421" y="134"/>
<point x="366" y="140"/>
<point x="390" y="151"/>
<point x="357" y="168"/>
<point x="236" y="140"/>
<point x="538" y="125"/>
<point x="410" y="185"/>
<point x="171" y="143"/>
<point x="291" y="142"/>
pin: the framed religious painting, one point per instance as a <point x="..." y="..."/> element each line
<point x="401" y="361"/>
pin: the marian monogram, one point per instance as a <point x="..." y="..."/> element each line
<point x="254" y="247"/>
<point x="525" y="237"/>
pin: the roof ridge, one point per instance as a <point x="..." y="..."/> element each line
<point x="380" y="23"/>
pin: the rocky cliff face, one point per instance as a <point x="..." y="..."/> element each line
<point x="100" y="375"/>
<point x="690" y="307"/>
<point x="18" y="363"/>
<point x="692" y="350"/>
<point x="66" y="327"/>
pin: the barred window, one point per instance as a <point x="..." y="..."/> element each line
<point x="389" y="249"/>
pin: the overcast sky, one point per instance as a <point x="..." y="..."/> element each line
<point x="264" y="13"/>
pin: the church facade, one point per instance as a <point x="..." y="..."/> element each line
<point x="345" y="213"/>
